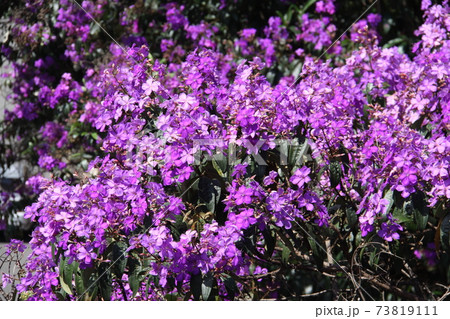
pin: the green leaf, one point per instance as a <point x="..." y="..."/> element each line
<point x="230" y="286"/>
<point x="352" y="218"/>
<point x="66" y="275"/>
<point x="404" y="216"/>
<point x="118" y="257"/>
<point x="297" y="153"/>
<point x="79" y="283"/>
<point x="421" y="219"/>
<point x="170" y="297"/>
<point x="94" y="29"/>
<point x="314" y="243"/>
<point x="374" y="257"/>
<point x="285" y="254"/>
<point x="306" y="6"/>
<point x="335" y="173"/>
<point x="134" y="278"/>
<point x="196" y="286"/>
<point x="412" y="216"/>
<point x="444" y="233"/>
<point x="269" y="243"/>
<point x="105" y="281"/>
<point x="84" y="280"/>
<point x="248" y="242"/>
<point x="394" y="42"/>
<point x="92" y="293"/>
<point x="178" y="227"/>
<point x="421" y="210"/>
<point x="207" y="285"/>
<point x="89" y="277"/>
<point x="257" y="169"/>
<point x="61" y="295"/>
<point x="209" y="192"/>
<point x="448" y="275"/>
<point x="389" y="196"/>
<point x="399" y="201"/>
<point x="220" y="165"/>
<point x="287" y="17"/>
<point x="65" y="286"/>
<point x="313" y="246"/>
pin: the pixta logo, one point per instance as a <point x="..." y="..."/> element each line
<point x="337" y="311"/>
<point x="217" y="149"/>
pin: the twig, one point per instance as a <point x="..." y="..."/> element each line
<point x="395" y="290"/>
<point x="314" y="294"/>
<point x="446" y="294"/>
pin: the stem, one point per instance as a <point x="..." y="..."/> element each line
<point x="122" y="288"/>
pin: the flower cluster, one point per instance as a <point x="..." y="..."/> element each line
<point x="208" y="173"/>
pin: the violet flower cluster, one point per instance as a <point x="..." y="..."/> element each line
<point x="191" y="183"/>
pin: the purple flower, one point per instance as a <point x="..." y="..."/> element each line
<point x="425" y="4"/>
<point x="325" y="6"/>
<point x="373" y="19"/>
<point x="240" y="170"/>
<point x="158" y="235"/>
<point x="248" y="33"/>
<point x="187" y="102"/>
<point x="60" y="194"/>
<point x="15" y="245"/>
<point x="269" y="180"/>
<point x="276" y="201"/>
<point x="6" y="280"/>
<point x="246" y="117"/>
<point x="428" y="253"/>
<point x="242" y="220"/>
<point x="301" y="176"/>
<point x="150" y="86"/>
<point x="86" y="256"/>
<point x="389" y="231"/>
<point x="243" y="195"/>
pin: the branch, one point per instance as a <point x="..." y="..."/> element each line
<point x="395" y="290"/>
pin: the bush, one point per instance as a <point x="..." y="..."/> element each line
<point x="203" y="159"/>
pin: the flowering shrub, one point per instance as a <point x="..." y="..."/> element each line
<point x="12" y="259"/>
<point x="219" y="178"/>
